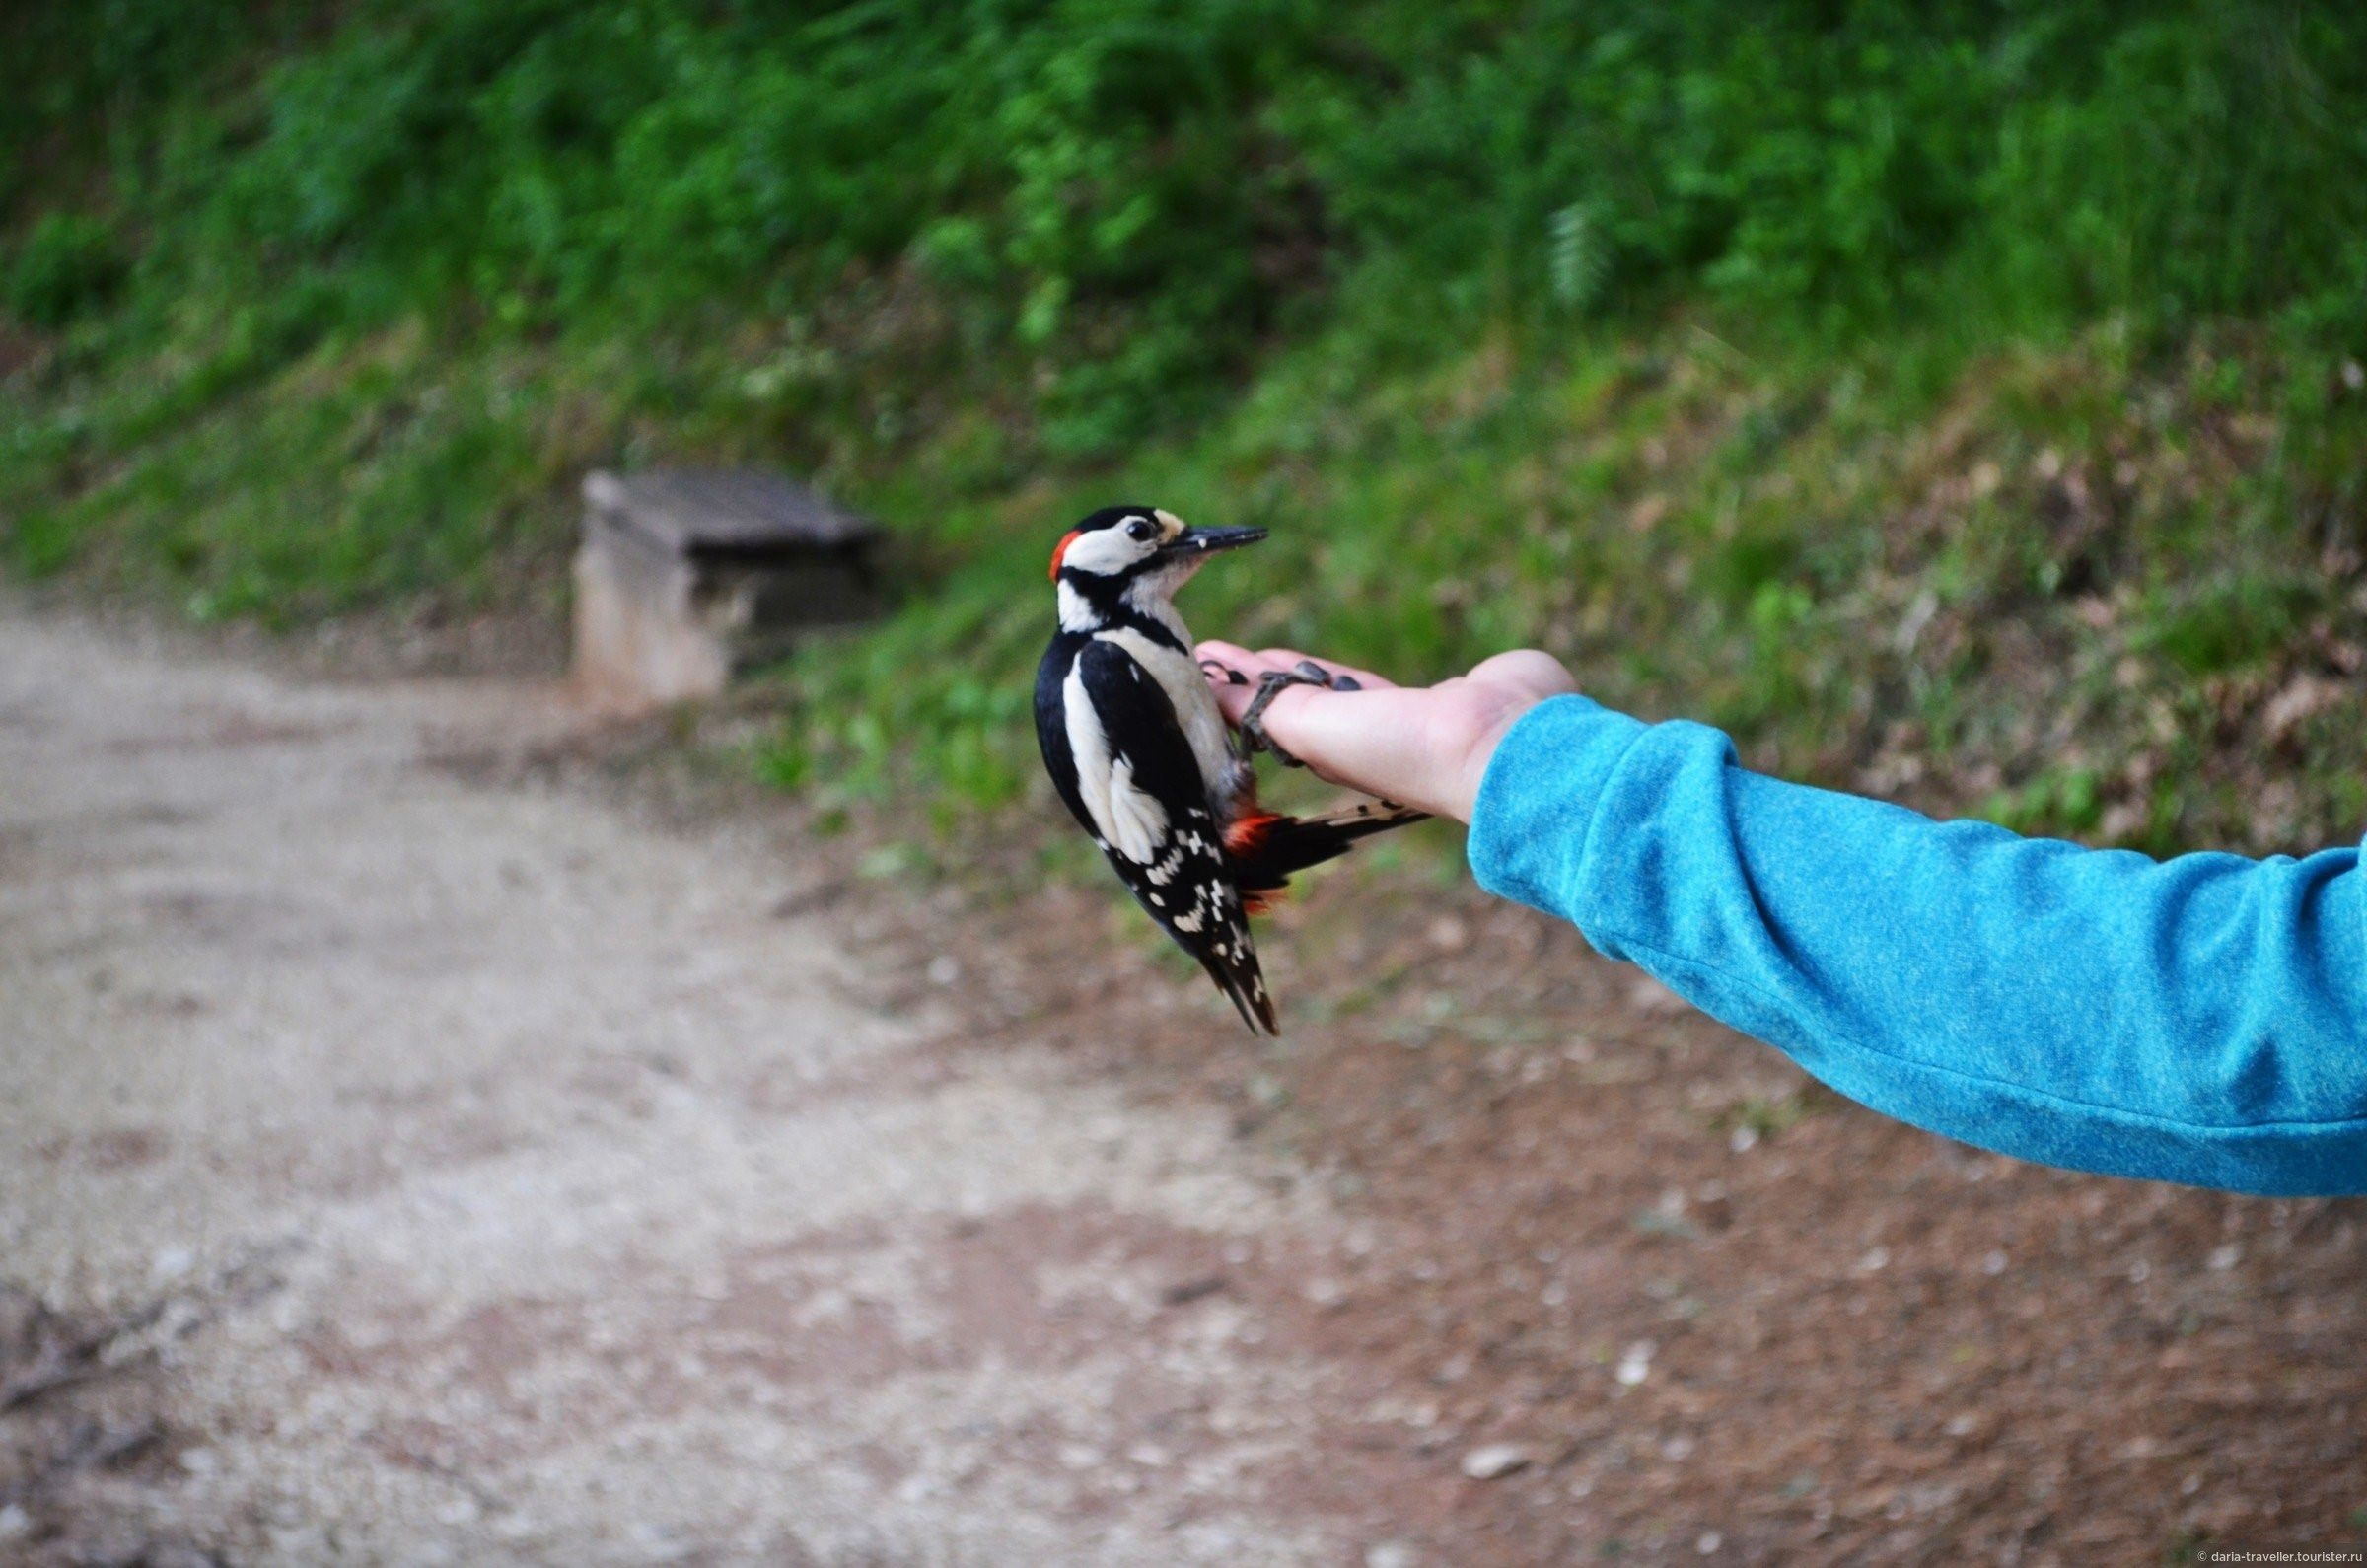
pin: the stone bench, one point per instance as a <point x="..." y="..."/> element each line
<point x="687" y="577"/>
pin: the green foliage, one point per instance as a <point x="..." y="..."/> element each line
<point x="68" y="265"/>
<point x="1846" y="375"/>
<point x="1129" y="196"/>
<point x="2222" y="625"/>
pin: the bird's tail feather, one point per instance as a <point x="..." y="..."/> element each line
<point x="1248" y="994"/>
<point x="1265" y="848"/>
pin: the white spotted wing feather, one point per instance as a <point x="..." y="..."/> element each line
<point x="1141" y="788"/>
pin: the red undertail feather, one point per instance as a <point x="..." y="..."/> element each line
<point x="1245" y="834"/>
<point x="1244" y="843"/>
<point x="1265" y="848"/>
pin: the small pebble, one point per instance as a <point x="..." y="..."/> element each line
<point x="1635" y="1362"/>
<point x="944" y="969"/>
<point x="2223" y="1258"/>
<point x="1495" y="1460"/>
<point x="1709" y="1544"/>
<point x="1648" y="996"/>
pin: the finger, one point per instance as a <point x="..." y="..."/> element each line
<point x="1233" y="696"/>
<point x="1221" y="674"/>
<point x="1290" y="706"/>
<point x="1232" y="658"/>
<point x="1230" y="670"/>
<point x="1234" y="701"/>
<point x="1253" y="665"/>
<point x="1233" y="672"/>
<point x="1357" y="739"/>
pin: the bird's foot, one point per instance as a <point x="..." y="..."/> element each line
<point x="1272" y="684"/>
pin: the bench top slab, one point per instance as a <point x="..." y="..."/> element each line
<point x="737" y="513"/>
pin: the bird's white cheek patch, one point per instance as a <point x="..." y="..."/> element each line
<point x="1105" y="552"/>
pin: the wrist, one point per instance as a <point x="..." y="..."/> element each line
<point x="1535" y="810"/>
<point x="1462" y="795"/>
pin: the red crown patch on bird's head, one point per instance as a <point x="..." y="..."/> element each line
<point x="1060" y="550"/>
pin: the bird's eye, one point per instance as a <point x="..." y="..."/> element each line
<point x="1138" y="530"/>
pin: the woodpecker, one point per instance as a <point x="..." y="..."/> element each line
<point x="1139" y="752"/>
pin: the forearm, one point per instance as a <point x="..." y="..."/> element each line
<point x="2199" y="1020"/>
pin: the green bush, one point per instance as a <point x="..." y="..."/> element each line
<point x="1131" y="197"/>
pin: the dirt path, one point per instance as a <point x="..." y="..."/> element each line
<point x="397" y="1170"/>
<point x="407" y="1158"/>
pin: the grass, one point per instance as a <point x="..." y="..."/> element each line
<point x="2063" y="590"/>
<point x="1960" y="404"/>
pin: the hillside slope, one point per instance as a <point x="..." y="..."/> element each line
<point x="1961" y="402"/>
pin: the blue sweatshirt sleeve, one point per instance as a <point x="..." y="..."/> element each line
<point x="2199" y="1020"/>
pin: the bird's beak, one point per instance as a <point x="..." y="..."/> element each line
<point x="1193" y="543"/>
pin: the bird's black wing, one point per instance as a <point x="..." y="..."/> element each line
<point x="1140" y="795"/>
<point x="1051" y="722"/>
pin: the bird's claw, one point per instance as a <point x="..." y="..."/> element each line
<point x="1272" y="684"/>
<point x="1232" y="676"/>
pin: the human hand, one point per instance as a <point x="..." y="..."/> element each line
<point x="1420" y="746"/>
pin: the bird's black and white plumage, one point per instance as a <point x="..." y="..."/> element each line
<point x="1138" y="751"/>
